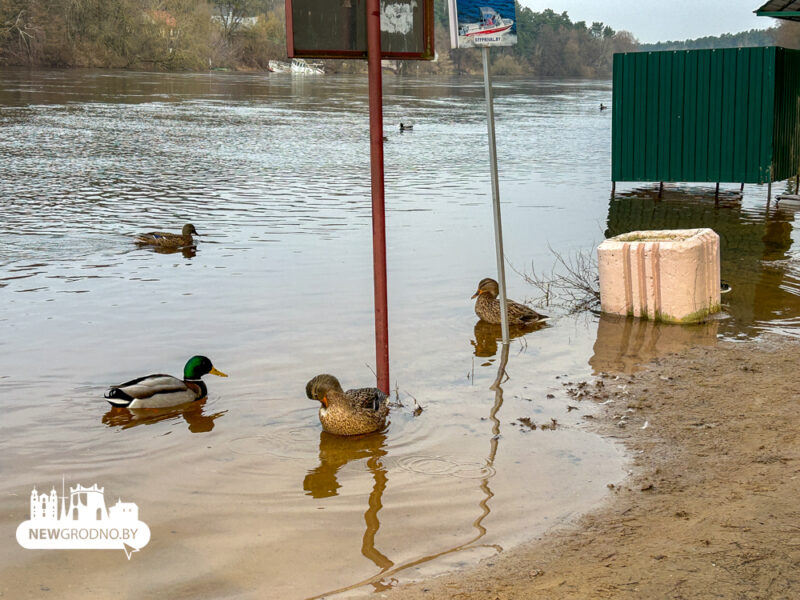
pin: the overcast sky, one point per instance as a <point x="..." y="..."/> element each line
<point x="662" y="20"/>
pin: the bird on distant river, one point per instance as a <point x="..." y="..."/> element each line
<point x="168" y="240"/>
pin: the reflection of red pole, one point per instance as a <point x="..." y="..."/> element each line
<point x="378" y="220"/>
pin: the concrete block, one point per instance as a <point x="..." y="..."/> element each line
<point x="668" y="275"/>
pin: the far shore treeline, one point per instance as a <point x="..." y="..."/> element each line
<point x="192" y="35"/>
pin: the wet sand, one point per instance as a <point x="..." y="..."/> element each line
<point x="710" y="507"/>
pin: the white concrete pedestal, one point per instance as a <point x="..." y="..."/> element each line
<point x="667" y="275"/>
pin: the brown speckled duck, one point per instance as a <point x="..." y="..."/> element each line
<point x="169" y="240"/>
<point x="487" y="307"/>
<point x="353" y="412"/>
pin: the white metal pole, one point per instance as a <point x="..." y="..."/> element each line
<point x="498" y="225"/>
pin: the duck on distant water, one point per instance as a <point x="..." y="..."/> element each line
<point x="404" y="127"/>
<point x="168" y="240"/>
<point x="353" y="412"/>
<point x="603" y="106"/>
<point x="162" y="391"/>
<point x="487" y="307"/>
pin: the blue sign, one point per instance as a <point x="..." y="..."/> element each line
<point x="482" y="23"/>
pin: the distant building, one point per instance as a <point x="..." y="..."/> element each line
<point x="244" y="22"/>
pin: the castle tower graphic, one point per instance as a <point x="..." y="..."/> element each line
<point x="44" y="506"/>
<point x="85" y="504"/>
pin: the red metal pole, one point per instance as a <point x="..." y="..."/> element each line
<point x="378" y="218"/>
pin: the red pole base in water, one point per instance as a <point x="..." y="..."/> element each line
<point x="378" y="217"/>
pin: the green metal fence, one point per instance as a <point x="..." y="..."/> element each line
<point x="730" y="115"/>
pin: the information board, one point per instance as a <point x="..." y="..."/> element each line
<point x="338" y="29"/>
<point x="476" y="23"/>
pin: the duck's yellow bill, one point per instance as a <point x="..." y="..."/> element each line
<point x="476" y="294"/>
<point x="214" y="371"/>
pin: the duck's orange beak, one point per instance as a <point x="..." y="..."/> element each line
<point x="324" y="401"/>
<point x="476" y="294"/>
<point x="214" y="371"/>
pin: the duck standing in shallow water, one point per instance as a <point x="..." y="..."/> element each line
<point x="353" y="412"/>
<point x="169" y="240"/>
<point x="162" y="391"/>
<point x="487" y="307"/>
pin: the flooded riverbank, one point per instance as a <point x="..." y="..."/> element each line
<point x="244" y="496"/>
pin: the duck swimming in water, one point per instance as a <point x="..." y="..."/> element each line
<point x="487" y="307"/>
<point x="353" y="412"/>
<point x="162" y="391"/>
<point x="168" y="240"/>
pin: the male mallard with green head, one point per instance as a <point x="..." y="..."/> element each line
<point x="353" y="412"/>
<point x="162" y="391"/>
<point x="487" y="307"/>
<point x="169" y="240"/>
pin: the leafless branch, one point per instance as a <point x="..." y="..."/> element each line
<point x="572" y="283"/>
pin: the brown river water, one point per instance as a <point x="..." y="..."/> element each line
<point x="244" y="496"/>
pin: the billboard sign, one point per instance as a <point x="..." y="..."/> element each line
<point x="338" y="29"/>
<point x="477" y="23"/>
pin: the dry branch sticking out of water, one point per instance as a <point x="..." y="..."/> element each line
<point x="573" y="282"/>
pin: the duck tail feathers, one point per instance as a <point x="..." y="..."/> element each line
<point x="117" y="397"/>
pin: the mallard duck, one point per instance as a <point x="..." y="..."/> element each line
<point x="404" y="127"/>
<point x="353" y="412"/>
<point x="161" y="391"/>
<point x="487" y="307"/>
<point x="169" y="240"/>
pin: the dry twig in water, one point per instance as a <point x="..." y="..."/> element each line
<point x="572" y="283"/>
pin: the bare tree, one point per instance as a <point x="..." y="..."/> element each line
<point x="231" y="15"/>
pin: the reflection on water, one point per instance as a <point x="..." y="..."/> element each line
<point x="487" y="336"/>
<point x="335" y="452"/>
<point x="185" y="251"/>
<point x="625" y="344"/>
<point x="193" y="413"/>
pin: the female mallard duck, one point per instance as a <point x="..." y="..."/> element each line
<point x="161" y="391"/>
<point x="487" y="307"/>
<point x="169" y="240"/>
<point x="353" y="412"/>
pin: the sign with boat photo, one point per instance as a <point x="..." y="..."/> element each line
<point x="482" y="23"/>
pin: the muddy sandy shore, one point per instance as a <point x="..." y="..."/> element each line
<point x="711" y="508"/>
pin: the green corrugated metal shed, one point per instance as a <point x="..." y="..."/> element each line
<point x="724" y="115"/>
